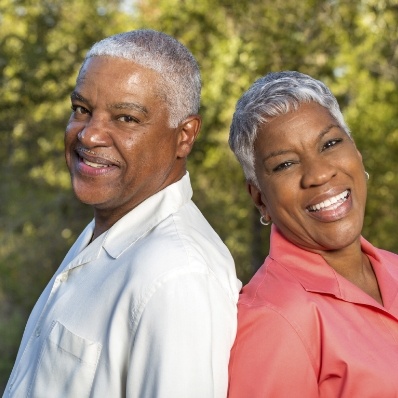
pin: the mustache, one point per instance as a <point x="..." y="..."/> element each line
<point x="93" y="154"/>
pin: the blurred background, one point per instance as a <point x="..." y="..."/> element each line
<point x="351" y="45"/>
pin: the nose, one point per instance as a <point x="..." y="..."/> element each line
<point x="316" y="173"/>
<point x="95" y="132"/>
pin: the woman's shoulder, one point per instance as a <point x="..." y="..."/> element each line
<point x="389" y="256"/>
<point x="275" y="302"/>
<point x="389" y="262"/>
<point x="274" y="289"/>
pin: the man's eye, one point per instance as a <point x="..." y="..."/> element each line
<point x="79" y="109"/>
<point x="282" y="166"/>
<point x="331" y="143"/>
<point x="128" y="119"/>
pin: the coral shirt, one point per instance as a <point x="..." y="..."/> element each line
<point x="305" y="331"/>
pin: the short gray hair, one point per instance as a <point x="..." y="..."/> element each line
<point x="179" y="74"/>
<point x="273" y="95"/>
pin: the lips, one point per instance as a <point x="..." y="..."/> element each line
<point x="96" y="165"/>
<point x="330" y="203"/>
<point x="90" y="163"/>
<point x="92" y="159"/>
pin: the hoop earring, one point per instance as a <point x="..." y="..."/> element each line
<point x="367" y="176"/>
<point x="264" y="222"/>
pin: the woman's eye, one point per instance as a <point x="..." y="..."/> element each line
<point x="282" y="166"/>
<point x="331" y="143"/>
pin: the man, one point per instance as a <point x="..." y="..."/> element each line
<point x="143" y="305"/>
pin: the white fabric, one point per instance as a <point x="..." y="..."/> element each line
<point x="146" y="310"/>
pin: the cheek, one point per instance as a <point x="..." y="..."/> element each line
<point x="282" y="200"/>
<point x="72" y="129"/>
<point x="363" y="186"/>
<point x="273" y="197"/>
<point x="358" y="172"/>
<point x="67" y="135"/>
<point x="126" y="145"/>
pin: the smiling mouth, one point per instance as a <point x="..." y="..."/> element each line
<point x="95" y="165"/>
<point x="331" y="203"/>
<point x="92" y="159"/>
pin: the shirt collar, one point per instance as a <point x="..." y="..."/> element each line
<point x="146" y="216"/>
<point x="315" y="275"/>
<point x="310" y="269"/>
<point x="385" y="266"/>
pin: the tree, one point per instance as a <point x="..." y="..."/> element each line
<point x="368" y="79"/>
<point x="349" y="44"/>
<point x="42" y="44"/>
<point x="236" y="42"/>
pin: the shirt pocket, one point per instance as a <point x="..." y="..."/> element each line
<point x="67" y="365"/>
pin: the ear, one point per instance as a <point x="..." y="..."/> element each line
<point x="188" y="131"/>
<point x="258" y="199"/>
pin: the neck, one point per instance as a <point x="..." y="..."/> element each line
<point x="355" y="266"/>
<point x="104" y="220"/>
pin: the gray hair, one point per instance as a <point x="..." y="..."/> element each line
<point x="273" y="95"/>
<point x="179" y="75"/>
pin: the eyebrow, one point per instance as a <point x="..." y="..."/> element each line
<point x="130" y="106"/>
<point x="118" y="106"/>
<point x="76" y="96"/>
<point x="320" y="135"/>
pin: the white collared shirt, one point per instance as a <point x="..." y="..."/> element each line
<point x="146" y="310"/>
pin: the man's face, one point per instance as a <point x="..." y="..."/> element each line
<point x="119" y="147"/>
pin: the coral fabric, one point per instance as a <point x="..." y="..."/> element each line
<point x="305" y="331"/>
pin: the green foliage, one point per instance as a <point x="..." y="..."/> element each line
<point x="349" y="44"/>
<point x="368" y="78"/>
<point x="42" y="44"/>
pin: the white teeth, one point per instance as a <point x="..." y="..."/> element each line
<point x="329" y="202"/>
<point x="96" y="165"/>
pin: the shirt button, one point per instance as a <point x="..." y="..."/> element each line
<point x="37" y="332"/>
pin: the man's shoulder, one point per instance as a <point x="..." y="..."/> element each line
<point x="182" y="244"/>
<point x="183" y="238"/>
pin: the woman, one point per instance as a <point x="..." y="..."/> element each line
<point x="320" y="317"/>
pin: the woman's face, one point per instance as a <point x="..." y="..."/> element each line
<point x="311" y="179"/>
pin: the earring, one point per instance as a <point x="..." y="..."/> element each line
<point x="367" y="175"/>
<point x="262" y="221"/>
